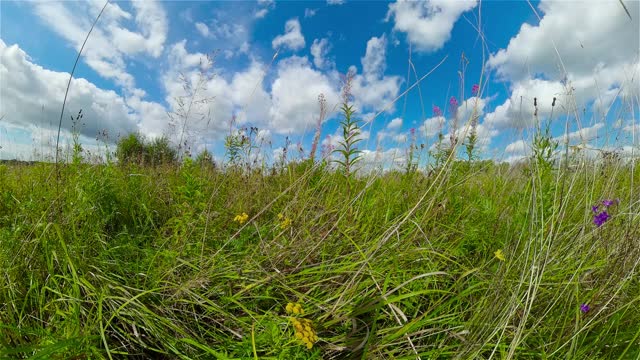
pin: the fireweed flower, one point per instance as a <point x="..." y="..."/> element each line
<point x="436" y="111"/>
<point x="585" y="308"/>
<point x="475" y="89"/>
<point x="453" y="105"/>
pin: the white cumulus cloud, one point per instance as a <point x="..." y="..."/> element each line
<point x="295" y="95"/>
<point x="32" y="96"/>
<point x="319" y="51"/>
<point x="292" y="37"/>
<point x="592" y="64"/>
<point x="114" y="39"/>
<point x="394" y="124"/>
<point x="428" y="24"/>
<point x="372" y="89"/>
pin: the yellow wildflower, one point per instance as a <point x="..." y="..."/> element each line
<point x="241" y="218"/>
<point x="500" y="255"/>
<point x="294" y="308"/>
<point x="285" y="222"/>
<point x="304" y="330"/>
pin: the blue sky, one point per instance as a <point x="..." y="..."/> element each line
<point x="273" y="58"/>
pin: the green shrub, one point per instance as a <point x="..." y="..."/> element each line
<point x="134" y="148"/>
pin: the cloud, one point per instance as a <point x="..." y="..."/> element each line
<point x="292" y="37"/>
<point x="241" y="95"/>
<point x="35" y="143"/>
<point x="32" y="97"/>
<point x="469" y="109"/>
<point x="604" y="37"/>
<point x="266" y="6"/>
<point x="319" y="51"/>
<point x="400" y="138"/>
<point x="291" y="107"/>
<point x="517" y="147"/>
<point x="373" y="90"/>
<point x="428" y="24"/>
<point x="632" y="128"/>
<point x="203" y="29"/>
<point x="334" y="141"/>
<point x="110" y="42"/>
<point x="432" y="126"/>
<point x="395" y="124"/>
<point x="295" y="95"/>
<point x="153" y="24"/>
<point x="180" y="59"/>
<point x="151" y="117"/>
<point x="224" y="31"/>
<point x="472" y="107"/>
<point x="335" y="2"/>
<point x="391" y="158"/>
<point x="583" y="135"/>
<point x="374" y="61"/>
<point x="259" y="14"/>
<point x="594" y="65"/>
<point x="229" y="29"/>
<point x="308" y="13"/>
<point x="518" y="111"/>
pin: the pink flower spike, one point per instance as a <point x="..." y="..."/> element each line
<point x="436" y="111"/>
<point x="453" y="106"/>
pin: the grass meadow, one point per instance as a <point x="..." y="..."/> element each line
<point x="472" y="260"/>
<point x="147" y="256"/>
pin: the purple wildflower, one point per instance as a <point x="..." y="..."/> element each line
<point x="453" y="106"/>
<point x="585" y="308"/>
<point x="595" y="208"/>
<point x="608" y="203"/>
<point x="475" y="89"/>
<point x="601" y="218"/>
<point x="453" y="103"/>
<point x="436" y="111"/>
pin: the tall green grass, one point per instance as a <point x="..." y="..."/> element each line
<point x="148" y="262"/>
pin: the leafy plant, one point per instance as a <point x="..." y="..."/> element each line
<point x="347" y="149"/>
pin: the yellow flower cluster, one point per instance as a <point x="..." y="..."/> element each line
<point x="304" y="327"/>
<point x="241" y="218"/>
<point x="294" y="308"/>
<point x="305" y="331"/>
<point x="500" y="255"/>
<point x="285" y="222"/>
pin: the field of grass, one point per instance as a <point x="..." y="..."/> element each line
<point x="472" y="260"/>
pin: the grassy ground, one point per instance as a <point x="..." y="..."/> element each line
<point x="123" y="261"/>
